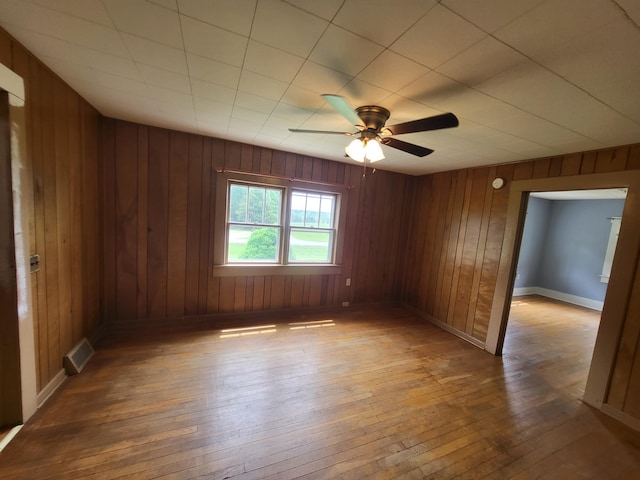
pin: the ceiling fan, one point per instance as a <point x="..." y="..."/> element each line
<point x="370" y="122"/>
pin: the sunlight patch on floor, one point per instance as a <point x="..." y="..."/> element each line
<point x="315" y="324"/>
<point x="244" y="331"/>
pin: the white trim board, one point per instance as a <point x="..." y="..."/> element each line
<point x="51" y="387"/>
<point x="563" y="297"/>
<point x="9" y="436"/>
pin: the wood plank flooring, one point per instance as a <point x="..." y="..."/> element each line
<point x="363" y="393"/>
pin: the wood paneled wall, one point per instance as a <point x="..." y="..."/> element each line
<point x="455" y="241"/>
<point x="62" y="155"/>
<point x="159" y="202"/>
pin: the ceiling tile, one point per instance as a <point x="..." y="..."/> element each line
<point x="211" y="110"/>
<point x="360" y="93"/>
<point x="213" y="127"/>
<point x="552" y="23"/>
<point x="250" y="116"/>
<point x="233" y="15"/>
<point x="213" y="71"/>
<point x="255" y="102"/>
<point x="536" y="130"/>
<point x="213" y="42"/>
<point x="170" y="4"/>
<point x="212" y="91"/>
<point x="331" y="53"/>
<point x="275" y="133"/>
<point x="320" y="79"/>
<point x="613" y="50"/>
<point x="169" y="98"/>
<point x="271" y="62"/>
<point x="165" y="79"/>
<point x="330" y="122"/>
<point x="383" y="22"/>
<point x="61" y="26"/>
<point x="76" y="54"/>
<point x="260" y="85"/>
<point x="243" y="129"/>
<point x="439" y="36"/>
<point x="490" y="15"/>
<point x="92" y="10"/>
<point x="290" y="114"/>
<point x="326" y="9"/>
<point x="303" y="98"/>
<point x="481" y="61"/>
<point x="78" y="76"/>
<point x="160" y="24"/>
<point x="156" y="54"/>
<point x="287" y="28"/>
<point x="392" y="71"/>
<point x="431" y="88"/>
<point x="403" y="109"/>
<point x="478" y="108"/>
<point x="183" y="109"/>
<point x="537" y="90"/>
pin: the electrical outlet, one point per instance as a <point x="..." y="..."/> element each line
<point x="348" y="282"/>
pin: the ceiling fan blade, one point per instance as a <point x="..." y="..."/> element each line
<point x="416" y="150"/>
<point x="341" y="105"/>
<point x="300" y="130"/>
<point x="445" y="120"/>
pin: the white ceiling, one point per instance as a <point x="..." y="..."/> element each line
<point x="526" y="78"/>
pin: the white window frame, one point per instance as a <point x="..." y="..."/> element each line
<point x="223" y="268"/>
<point x="611" y="249"/>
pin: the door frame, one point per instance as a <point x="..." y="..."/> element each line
<point x="23" y="404"/>
<point x="620" y="286"/>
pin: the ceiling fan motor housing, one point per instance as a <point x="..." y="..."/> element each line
<point x="373" y="117"/>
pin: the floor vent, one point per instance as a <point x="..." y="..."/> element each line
<point x="77" y="358"/>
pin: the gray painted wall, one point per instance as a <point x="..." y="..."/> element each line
<point x="568" y="258"/>
<point x="533" y="237"/>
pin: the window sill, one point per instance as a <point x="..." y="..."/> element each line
<point x="268" y="270"/>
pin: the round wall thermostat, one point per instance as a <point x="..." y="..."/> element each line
<point x="497" y="183"/>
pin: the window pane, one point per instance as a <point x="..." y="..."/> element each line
<point x="273" y="206"/>
<point x="238" y="203"/>
<point x="253" y="244"/>
<point x="327" y="206"/>
<point x="256" y="205"/>
<point x="313" y="210"/>
<point x="298" y="205"/>
<point x="309" y="246"/>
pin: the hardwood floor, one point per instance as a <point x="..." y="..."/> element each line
<point x="369" y="393"/>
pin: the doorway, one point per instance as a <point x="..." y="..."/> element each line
<point x="564" y="261"/>
<point x="18" y="395"/>
<point x="620" y="283"/>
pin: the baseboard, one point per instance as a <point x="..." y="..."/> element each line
<point x="622" y="417"/>
<point x="232" y="319"/>
<point x="464" y="336"/>
<point x="9" y="436"/>
<point x="51" y="387"/>
<point x="518" y="292"/>
<point x="563" y="297"/>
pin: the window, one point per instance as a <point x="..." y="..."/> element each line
<point x="269" y="222"/>
<point x="254" y="226"/>
<point x="611" y="249"/>
<point x="311" y="227"/>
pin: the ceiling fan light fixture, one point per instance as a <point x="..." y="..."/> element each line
<point x="364" y="148"/>
<point x="373" y="151"/>
<point x="356" y="150"/>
